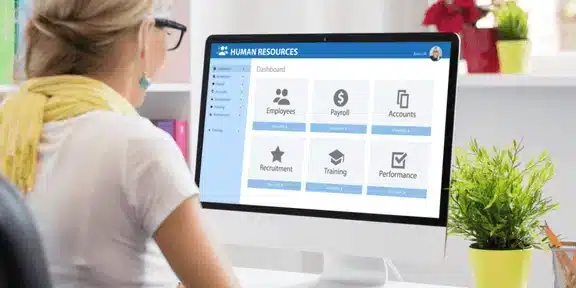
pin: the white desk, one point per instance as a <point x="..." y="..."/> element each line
<point x="257" y="278"/>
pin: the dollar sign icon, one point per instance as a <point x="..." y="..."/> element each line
<point x="340" y="97"/>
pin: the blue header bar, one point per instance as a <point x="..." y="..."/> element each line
<point x="417" y="50"/>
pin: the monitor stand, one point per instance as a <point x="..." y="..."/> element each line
<point x="348" y="271"/>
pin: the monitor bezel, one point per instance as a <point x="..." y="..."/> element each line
<point x="454" y="40"/>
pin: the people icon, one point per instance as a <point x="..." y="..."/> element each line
<point x="435" y="53"/>
<point x="281" y="95"/>
<point x="223" y="51"/>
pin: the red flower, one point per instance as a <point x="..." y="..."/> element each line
<point x="452" y="23"/>
<point x="464" y="4"/>
<point x="451" y="17"/>
<point x="435" y="12"/>
<point x="471" y="14"/>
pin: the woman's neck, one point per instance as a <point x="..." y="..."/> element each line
<point x="119" y="82"/>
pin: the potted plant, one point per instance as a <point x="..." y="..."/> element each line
<point x="461" y="16"/>
<point x="513" y="44"/>
<point x="496" y="201"/>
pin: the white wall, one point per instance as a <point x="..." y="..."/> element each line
<point x="541" y="116"/>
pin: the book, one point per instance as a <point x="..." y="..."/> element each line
<point x="181" y="136"/>
<point x="7" y="34"/>
<point x="178" y="129"/>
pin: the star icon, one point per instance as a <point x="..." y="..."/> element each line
<point x="277" y="155"/>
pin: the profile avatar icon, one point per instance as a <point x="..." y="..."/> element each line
<point x="281" y="95"/>
<point x="223" y="51"/>
<point x="435" y="53"/>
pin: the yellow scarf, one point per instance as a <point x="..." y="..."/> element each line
<point x="43" y="100"/>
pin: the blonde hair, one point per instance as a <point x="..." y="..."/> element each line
<point x="77" y="36"/>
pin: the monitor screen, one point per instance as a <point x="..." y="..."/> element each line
<point x="330" y="126"/>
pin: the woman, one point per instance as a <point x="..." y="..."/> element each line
<point x="112" y="194"/>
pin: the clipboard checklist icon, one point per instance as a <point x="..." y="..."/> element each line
<point x="403" y="99"/>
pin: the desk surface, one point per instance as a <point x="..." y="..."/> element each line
<point x="258" y="278"/>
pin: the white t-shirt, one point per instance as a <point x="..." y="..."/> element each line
<point x="104" y="185"/>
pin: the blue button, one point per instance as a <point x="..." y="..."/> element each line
<point x="396" y="192"/>
<point x="402" y="130"/>
<point x="278" y="185"/>
<point x="279" y="126"/>
<point x="338" y="128"/>
<point x="334" y="188"/>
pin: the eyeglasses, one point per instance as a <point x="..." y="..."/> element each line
<point x="174" y="32"/>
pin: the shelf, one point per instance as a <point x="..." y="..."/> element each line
<point x="155" y="88"/>
<point x="176" y="87"/>
<point x="7" y="88"/>
<point x="515" y="81"/>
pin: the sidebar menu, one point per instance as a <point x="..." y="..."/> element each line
<point x="224" y="129"/>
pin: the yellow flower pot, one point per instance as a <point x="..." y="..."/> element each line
<point x="500" y="268"/>
<point x="514" y="56"/>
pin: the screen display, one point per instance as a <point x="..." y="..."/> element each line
<point x="332" y="126"/>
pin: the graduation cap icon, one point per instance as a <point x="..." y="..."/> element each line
<point x="336" y="157"/>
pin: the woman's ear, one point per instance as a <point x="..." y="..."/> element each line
<point x="144" y="36"/>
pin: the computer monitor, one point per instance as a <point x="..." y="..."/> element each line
<point x="331" y="143"/>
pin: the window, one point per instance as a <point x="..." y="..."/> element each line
<point x="543" y="24"/>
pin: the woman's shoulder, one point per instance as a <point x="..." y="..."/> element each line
<point x="126" y="127"/>
<point x="140" y="137"/>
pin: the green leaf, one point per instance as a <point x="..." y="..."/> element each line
<point x="512" y="21"/>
